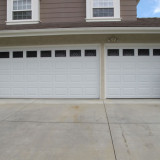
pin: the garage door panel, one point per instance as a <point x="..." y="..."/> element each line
<point x="32" y="84"/>
<point x="114" y="66"/>
<point x="61" y="65"/>
<point x="46" y="78"/>
<point x="61" y="78"/>
<point x="91" y="78"/>
<point x="32" y="78"/>
<point x="156" y="91"/>
<point x="76" y="91"/>
<point x="32" y="91"/>
<point x="129" y="91"/>
<point x="148" y="78"/>
<point x="90" y="65"/>
<point x="76" y="65"/>
<point x="46" y="91"/>
<point x="114" y="91"/>
<point x="114" y="78"/>
<point x="133" y="77"/>
<point x="144" y="91"/>
<point x="91" y="91"/>
<point x="18" y="91"/>
<point x="76" y="78"/>
<point x="5" y="65"/>
<point x="5" y="72"/>
<point x="128" y="72"/>
<point x="5" y="78"/>
<point x="16" y="84"/>
<point x="61" y="91"/>
<point x="5" y="91"/>
<point x="129" y="66"/>
<point x="129" y="78"/>
<point x="46" y="84"/>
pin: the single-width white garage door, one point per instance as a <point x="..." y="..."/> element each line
<point x="133" y="72"/>
<point x="58" y="72"/>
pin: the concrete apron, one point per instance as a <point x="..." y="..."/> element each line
<point x="81" y="101"/>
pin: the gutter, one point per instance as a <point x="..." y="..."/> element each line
<point x="79" y="31"/>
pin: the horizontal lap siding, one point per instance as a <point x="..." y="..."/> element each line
<point x="128" y="10"/>
<point x="3" y="10"/>
<point x="63" y="11"/>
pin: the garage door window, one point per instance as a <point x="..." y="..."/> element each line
<point x="18" y="54"/>
<point x="113" y="52"/>
<point x="4" y="54"/>
<point x="156" y="52"/>
<point x="75" y="53"/>
<point x="128" y="52"/>
<point x="143" y="52"/>
<point x="90" y="53"/>
<point x="46" y="53"/>
<point x="60" y="53"/>
<point x="31" y="54"/>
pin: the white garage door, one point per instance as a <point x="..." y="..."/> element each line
<point x="58" y="72"/>
<point x="133" y="72"/>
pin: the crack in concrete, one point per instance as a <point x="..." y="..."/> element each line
<point x="125" y="141"/>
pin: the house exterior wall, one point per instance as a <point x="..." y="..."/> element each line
<point x="58" y="11"/>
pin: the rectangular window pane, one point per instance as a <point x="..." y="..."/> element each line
<point x="18" y="54"/>
<point x="31" y="54"/>
<point x="156" y="52"/>
<point x="102" y="3"/>
<point x="19" y="15"/>
<point x="128" y="52"/>
<point x="4" y="54"/>
<point x="45" y="53"/>
<point x="75" y="53"/>
<point x="21" y="5"/>
<point x="143" y="52"/>
<point x="60" y="53"/>
<point x="103" y="12"/>
<point x="90" y="53"/>
<point x="113" y="52"/>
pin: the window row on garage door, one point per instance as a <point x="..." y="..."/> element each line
<point x="48" y="53"/>
<point x="133" y="52"/>
<point x="78" y="53"/>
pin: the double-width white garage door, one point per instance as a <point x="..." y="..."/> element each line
<point x="133" y="72"/>
<point x="58" y="72"/>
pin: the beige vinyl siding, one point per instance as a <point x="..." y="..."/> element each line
<point x="3" y="11"/>
<point x="63" y="11"/>
<point x="129" y="10"/>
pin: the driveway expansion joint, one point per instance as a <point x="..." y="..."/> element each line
<point x="110" y="130"/>
<point x="53" y="122"/>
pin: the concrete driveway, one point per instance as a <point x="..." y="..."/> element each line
<point x="37" y="129"/>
